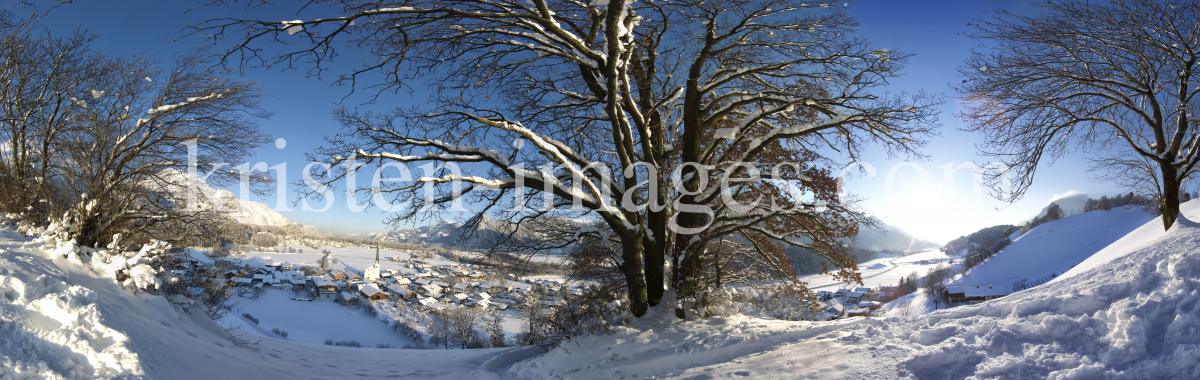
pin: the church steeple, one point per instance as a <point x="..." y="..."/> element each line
<point x="372" y="273"/>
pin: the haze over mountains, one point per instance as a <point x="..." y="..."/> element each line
<point x="891" y="238"/>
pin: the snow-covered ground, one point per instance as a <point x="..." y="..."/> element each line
<point x="1131" y="312"/>
<point x="1053" y="248"/>
<point x="311" y="321"/>
<point x="61" y="320"/>
<point x="882" y="271"/>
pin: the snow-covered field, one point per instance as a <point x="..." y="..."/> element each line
<point x="882" y="271"/>
<point x="311" y="321"/>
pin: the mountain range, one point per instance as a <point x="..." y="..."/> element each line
<point x="484" y="234"/>
<point x="891" y="238"/>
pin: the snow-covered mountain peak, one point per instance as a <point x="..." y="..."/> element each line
<point x="1070" y="202"/>
<point x="241" y="210"/>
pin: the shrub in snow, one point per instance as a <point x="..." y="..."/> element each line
<point x="408" y="329"/>
<point x="278" y="331"/>
<point x="250" y="318"/>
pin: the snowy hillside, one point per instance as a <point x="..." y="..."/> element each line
<point x="1050" y="250"/>
<point x="1131" y="313"/>
<point x="61" y="320"/>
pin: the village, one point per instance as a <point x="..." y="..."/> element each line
<point x="402" y="286"/>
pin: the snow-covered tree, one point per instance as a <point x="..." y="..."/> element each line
<point x="99" y="138"/>
<point x="40" y="75"/>
<point x="1118" y="77"/>
<point x="629" y="113"/>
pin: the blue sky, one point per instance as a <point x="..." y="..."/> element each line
<point x="931" y="29"/>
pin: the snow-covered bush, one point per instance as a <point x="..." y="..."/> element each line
<point x="592" y="310"/>
<point x="131" y="269"/>
<point x="278" y="331"/>
<point x="784" y="302"/>
<point x="407" y="329"/>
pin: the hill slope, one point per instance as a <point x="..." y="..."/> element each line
<point x="1131" y="313"/>
<point x="59" y="319"/>
<point x="1050" y="250"/>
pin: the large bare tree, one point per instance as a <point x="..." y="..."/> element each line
<point x="598" y="105"/>
<point x="39" y="73"/>
<point x="1118" y="78"/>
<point x="148" y="138"/>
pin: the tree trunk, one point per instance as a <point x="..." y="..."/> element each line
<point x="1168" y="204"/>
<point x="656" y="255"/>
<point x="635" y="278"/>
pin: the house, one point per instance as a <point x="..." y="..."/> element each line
<point x="242" y="281"/>
<point x="482" y="304"/>
<point x="824" y="295"/>
<point x="372" y="292"/>
<point x="956" y="294"/>
<point x="831" y="310"/>
<point x="403" y="281"/>
<point x="262" y="271"/>
<point x="497" y="287"/>
<point x="854" y="297"/>
<point x="401" y="291"/>
<point x="229" y="274"/>
<point x="430" y="302"/>
<point x="872" y="305"/>
<point x="461" y="287"/>
<point x="863" y="290"/>
<point x="858" y="312"/>
<point x="325" y="287"/>
<point x="350" y="298"/>
<point x="459" y="297"/>
<point x="981" y="293"/>
<point x="430" y="289"/>
<point x="481" y="297"/>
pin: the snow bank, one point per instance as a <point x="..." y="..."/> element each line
<point x="1133" y="311"/>
<point x="53" y="329"/>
